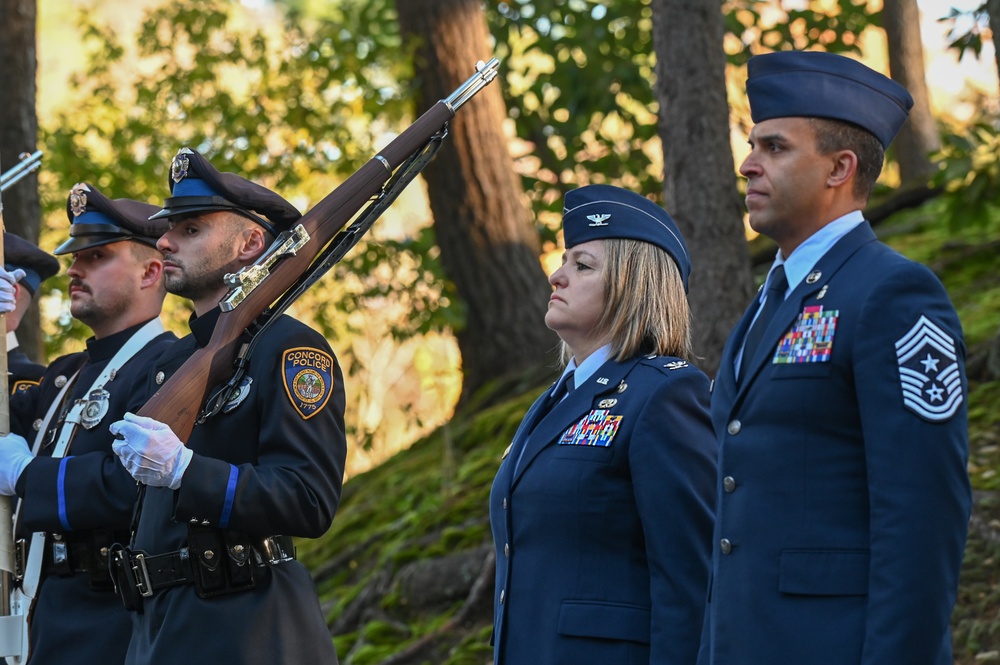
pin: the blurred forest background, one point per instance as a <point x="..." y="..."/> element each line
<point x="447" y="292"/>
<point x="437" y="315"/>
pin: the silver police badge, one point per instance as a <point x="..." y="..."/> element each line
<point x="95" y="409"/>
<point x="237" y="396"/>
<point x="929" y="374"/>
<point x="78" y="199"/>
<point x="180" y="165"/>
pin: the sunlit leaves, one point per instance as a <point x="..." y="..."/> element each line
<point x="970" y="174"/>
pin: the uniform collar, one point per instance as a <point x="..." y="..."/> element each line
<point x="586" y="369"/>
<point x="106" y="347"/>
<point x="805" y="257"/>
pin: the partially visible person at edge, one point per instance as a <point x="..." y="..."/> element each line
<point x="839" y="407"/>
<point x="82" y="498"/>
<point x="219" y="513"/>
<point x="602" y="507"/>
<point x="30" y="266"/>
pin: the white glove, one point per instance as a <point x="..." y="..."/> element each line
<point x="150" y="451"/>
<point x="7" y="290"/>
<point x="14" y="456"/>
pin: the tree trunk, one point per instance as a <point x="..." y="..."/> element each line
<point x="919" y="136"/>
<point x="489" y="246"/>
<point x="993" y="10"/>
<point x="19" y="133"/>
<point x="699" y="175"/>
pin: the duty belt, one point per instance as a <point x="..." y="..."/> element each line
<point x="159" y="571"/>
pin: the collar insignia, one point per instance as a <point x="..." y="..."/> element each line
<point x="598" y="220"/>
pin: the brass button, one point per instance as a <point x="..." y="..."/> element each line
<point x="209" y="554"/>
<point x="729" y="484"/>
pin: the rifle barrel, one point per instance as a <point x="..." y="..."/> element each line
<point x="179" y="400"/>
<point x="29" y="162"/>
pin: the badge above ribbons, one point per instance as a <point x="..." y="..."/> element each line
<point x="308" y="376"/>
<point x="928" y="371"/>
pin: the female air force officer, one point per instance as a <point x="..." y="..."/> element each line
<point x="602" y="509"/>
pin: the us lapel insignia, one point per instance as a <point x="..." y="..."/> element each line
<point x="813" y="277"/>
<point x="622" y="387"/>
<point x="929" y="374"/>
<point x="239" y="394"/>
<point x="607" y="403"/>
<point x="308" y="375"/>
<point x="603" y="380"/>
<point x="811" y="338"/>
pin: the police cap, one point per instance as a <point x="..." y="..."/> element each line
<point x="97" y="220"/>
<point x="812" y="84"/>
<point x="37" y="265"/>
<point x="197" y="186"/>
<point x="597" y="212"/>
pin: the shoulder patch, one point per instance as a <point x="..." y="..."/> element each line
<point x="308" y="377"/>
<point x="22" y="385"/>
<point x="929" y="374"/>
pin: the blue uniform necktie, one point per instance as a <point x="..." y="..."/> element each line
<point x="776" y="288"/>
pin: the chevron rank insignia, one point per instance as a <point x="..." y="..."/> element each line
<point x="929" y="373"/>
<point x="308" y="375"/>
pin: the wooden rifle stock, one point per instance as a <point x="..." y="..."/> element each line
<point x="178" y="402"/>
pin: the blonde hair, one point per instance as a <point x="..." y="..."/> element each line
<point x="645" y="306"/>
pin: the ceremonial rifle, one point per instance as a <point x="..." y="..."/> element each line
<point x="29" y="162"/>
<point x="13" y="613"/>
<point x="298" y="258"/>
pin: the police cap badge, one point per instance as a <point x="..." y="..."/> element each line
<point x="97" y="220"/>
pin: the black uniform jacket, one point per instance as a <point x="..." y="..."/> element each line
<point x="86" y="498"/>
<point x="270" y="463"/>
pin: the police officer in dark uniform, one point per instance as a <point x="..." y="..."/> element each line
<point x="216" y="523"/>
<point x="602" y="507"/>
<point x="840" y="403"/>
<point x="36" y="266"/>
<point x="74" y="489"/>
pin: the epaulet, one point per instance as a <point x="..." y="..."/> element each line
<point x="665" y="364"/>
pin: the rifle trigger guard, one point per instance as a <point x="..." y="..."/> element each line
<point x="249" y="277"/>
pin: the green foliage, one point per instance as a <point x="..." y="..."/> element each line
<point x="754" y="24"/>
<point x="580" y="76"/>
<point x="966" y="29"/>
<point x="970" y="174"/>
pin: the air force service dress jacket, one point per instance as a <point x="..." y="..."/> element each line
<point x="601" y="514"/>
<point x="270" y="463"/>
<point x="843" y="499"/>
<point x="86" y="498"/>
